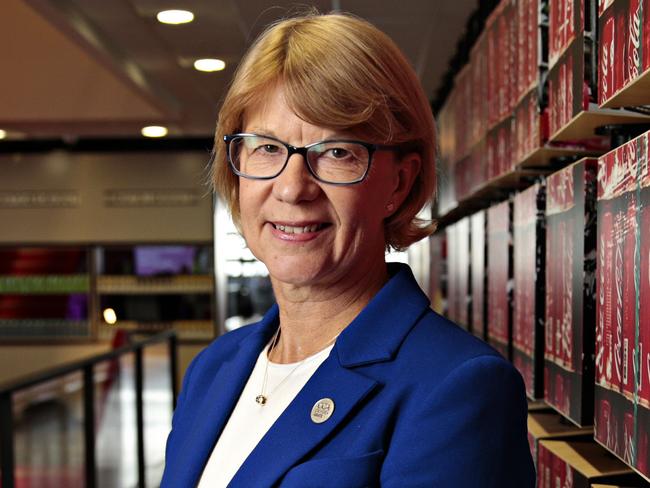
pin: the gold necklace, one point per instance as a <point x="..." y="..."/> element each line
<point x="263" y="397"/>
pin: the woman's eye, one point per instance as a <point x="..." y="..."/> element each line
<point x="339" y="153"/>
<point x="267" y="148"/>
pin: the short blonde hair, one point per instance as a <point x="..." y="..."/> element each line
<point x="342" y="73"/>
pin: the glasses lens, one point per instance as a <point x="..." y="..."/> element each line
<point x="339" y="162"/>
<point x="257" y="156"/>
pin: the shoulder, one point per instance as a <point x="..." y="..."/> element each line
<point x="437" y="343"/>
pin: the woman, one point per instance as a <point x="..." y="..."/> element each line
<point x="324" y="152"/>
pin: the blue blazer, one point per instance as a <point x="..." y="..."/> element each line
<point x="418" y="402"/>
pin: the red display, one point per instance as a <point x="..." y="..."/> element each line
<point x="566" y="24"/>
<point x="623" y="45"/>
<point x="529" y="280"/>
<point x="570" y="291"/>
<point x="528" y="133"/>
<point x="568" y="89"/>
<point x="478" y="265"/>
<point x="458" y="272"/>
<point x="623" y="313"/>
<point x="499" y="239"/>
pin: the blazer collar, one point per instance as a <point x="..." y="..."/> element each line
<point x="378" y="331"/>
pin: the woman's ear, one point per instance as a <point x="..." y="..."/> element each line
<point x="406" y="170"/>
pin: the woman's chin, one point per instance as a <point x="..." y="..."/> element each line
<point x="298" y="272"/>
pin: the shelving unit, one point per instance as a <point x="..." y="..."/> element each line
<point x="45" y="293"/>
<point x="510" y="138"/>
<point x="584" y="125"/>
<point x="150" y="288"/>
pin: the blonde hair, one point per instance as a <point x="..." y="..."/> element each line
<point x="342" y="73"/>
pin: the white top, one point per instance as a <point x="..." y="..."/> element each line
<point x="249" y="420"/>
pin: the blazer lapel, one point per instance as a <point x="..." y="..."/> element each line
<point x="218" y="402"/>
<point x="374" y="335"/>
<point x="294" y="434"/>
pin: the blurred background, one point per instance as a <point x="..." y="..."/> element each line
<point x="109" y="231"/>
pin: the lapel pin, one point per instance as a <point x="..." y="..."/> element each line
<point x="322" y="410"/>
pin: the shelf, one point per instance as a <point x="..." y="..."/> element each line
<point x="45" y="284"/>
<point x="537" y="406"/>
<point x="583" y="125"/>
<point x="494" y="189"/>
<point x="186" y="329"/>
<point x="42" y="329"/>
<point x="620" y="458"/>
<point x="546" y="424"/>
<point x="637" y="93"/>
<point x="543" y="157"/>
<point x="137" y="285"/>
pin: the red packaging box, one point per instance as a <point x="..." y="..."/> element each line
<point x="566" y="24"/>
<point x="570" y="290"/>
<point x="526" y="34"/>
<point x="462" y="271"/>
<point x="499" y="243"/>
<point x="577" y="463"/>
<point x="623" y="45"/>
<point x="478" y="271"/>
<point x="458" y="272"/>
<point x="529" y="280"/>
<point x="623" y="311"/>
<point x="479" y="92"/>
<point x="500" y="142"/>
<point x="471" y="172"/>
<point x="606" y="56"/>
<point x="452" y="278"/>
<point x="494" y="61"/>
<point x="502" y="60"/>
<point x="568" y="88"/>
<point x="528" y="135"/>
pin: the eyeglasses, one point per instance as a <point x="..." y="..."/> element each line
<point x="337" y="162"/>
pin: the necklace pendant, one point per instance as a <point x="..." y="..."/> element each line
<point x="261" y="399"/>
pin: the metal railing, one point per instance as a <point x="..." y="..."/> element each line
<point x="86" y="367"/>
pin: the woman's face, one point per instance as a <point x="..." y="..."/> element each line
<point x="344" y="239"/>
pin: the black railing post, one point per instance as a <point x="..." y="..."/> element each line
<point x="139" y="415"/>
<point x="173" y="364"/>
<point x="7" y="459"/>
<point x="89" y="426"/>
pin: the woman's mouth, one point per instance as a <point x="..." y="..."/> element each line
<point x="299" y="229"/>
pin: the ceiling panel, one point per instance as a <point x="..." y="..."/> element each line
<point x="87" y="67"/>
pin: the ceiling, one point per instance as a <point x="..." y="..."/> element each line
<point x="106" y="68"/>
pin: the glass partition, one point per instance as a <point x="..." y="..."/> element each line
<point x="48" y="433"/>
<point x="115" y="421"/>
<point x="158" y="408"/>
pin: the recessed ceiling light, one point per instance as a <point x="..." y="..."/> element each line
<point x="175" y="17"/>
<point x="3" y="134"/>
<point x="154" y="131"/>
<point x="209" y="65"/>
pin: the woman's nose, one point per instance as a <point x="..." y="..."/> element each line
<point x="295" y="183"/>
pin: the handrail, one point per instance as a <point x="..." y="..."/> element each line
<point x="86" y="367"/>
<point x="32" y="379"/>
